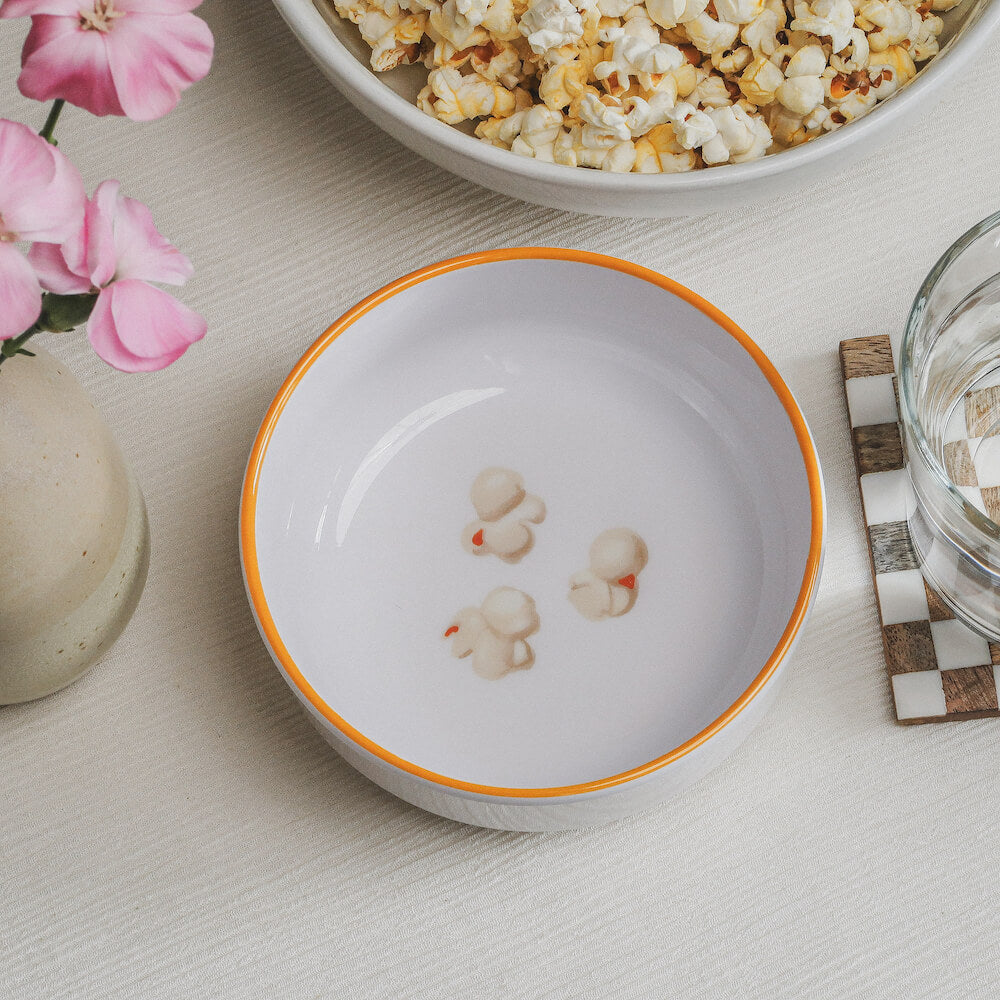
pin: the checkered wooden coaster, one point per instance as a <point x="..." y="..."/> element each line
<point x="939" y="669"/>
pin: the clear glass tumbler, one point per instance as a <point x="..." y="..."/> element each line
<point x="949" y="396"/>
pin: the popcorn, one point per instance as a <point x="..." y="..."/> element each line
<point x="710" y="35"/>
<point x="501" y="20"/>
<point x="505" y="512"/>
<point x="891" y="70"/>
<point x="658" y="152"/>
<point x="692" y="128"/>
<point x="825" y="18"/>
<point x="849" y="98"/>
<point x="761" y="34"/>
<point x="495" y="633"/>
<point x="642" y="116"/>
<point x="801" y="94"/>
<point x="604" y="116"/>
<point x="633" y="55"/>
<point x="761" y="80"/>
<point x="732" y="62"/>
<point x="560" y="84"/>
<point x="454" y="98"/>
<point x="887" y="22"/>
<point x="351" y="10"/>
<point x="738" y="11"/>
<point x="539" y="129"/>
<point x="651" y="86"/>
<point x="787" y="128"/>
<point x="549" y="24"/>
<point x="608" y="588"/>
<point x="925" y="43"/>
<point x="394" y="40"/>
<point x="445" y="22"/>
<point x="498" y="61"/>
<point x="620" y="158"/>
<point x="854" y="56"/>
<point x="670" y="13"/>
<point x="711" y="92"/>
<point x="474" y="11"/>
<point x="614" y="8"/>
<point x="739" y="137"/>
<point x="803" y="91"/>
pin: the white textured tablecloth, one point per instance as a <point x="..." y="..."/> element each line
<point x="172" y="827"/>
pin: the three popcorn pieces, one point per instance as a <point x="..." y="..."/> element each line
<point x="495" y="634"/>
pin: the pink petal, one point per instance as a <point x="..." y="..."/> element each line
<point x="138" y="328"/>
<point x="155" y="6"/>
<point x="30" y="8"/>
<point x="41" y="192"/>
<point x="26" y="169"/>
<point x="153" y="57"/>
<point x="101" y="258"/>
<point x="91" y="248"/>
<point x="60" y="59"/>
<point x="55" y="276"/>
<point x="65" y="201"/>
<point x="72" y="8"/>
<point x="142" y="252"/>
<point x="90" y="252"/>
<point x="20" y="295"/>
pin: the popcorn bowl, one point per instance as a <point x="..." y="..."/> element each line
<point x="387" y="99"/>
<point x="643" y="425"/>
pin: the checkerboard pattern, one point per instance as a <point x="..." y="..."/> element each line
<point x="939" y="669"/>
<point x="972" y="449"/>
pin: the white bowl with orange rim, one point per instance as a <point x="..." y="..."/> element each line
<point x="531" y="534"/>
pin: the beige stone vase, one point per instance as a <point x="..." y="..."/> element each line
<point x="74" y="540"/>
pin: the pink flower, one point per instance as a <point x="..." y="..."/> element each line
<point x="41" y="198"/>
<point x="112" y="57"/>
<point x="134" y="326"/>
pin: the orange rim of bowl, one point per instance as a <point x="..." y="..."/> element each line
<point x="248" y="510"/>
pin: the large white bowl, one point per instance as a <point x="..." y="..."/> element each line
<point x="624" y="400"/>
<point x="387" y="99"/>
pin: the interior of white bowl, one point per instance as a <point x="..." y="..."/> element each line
<point x="337" y="44"/>
<point x="621" y="404"/>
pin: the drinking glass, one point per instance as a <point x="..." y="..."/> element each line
<point x="949" y="396"/>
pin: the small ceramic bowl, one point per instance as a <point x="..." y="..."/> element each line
<point x="569" y="468"/>
<point x="388" y="100"/>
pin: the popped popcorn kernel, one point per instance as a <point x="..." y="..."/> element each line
<point x="549" y="24"/>
<point x="822" y="18"/>
<point x="761" y="80"/>
<point x="670" y="13"/>
<point x="453" y="98"/>
<point x="659" y="152"/>
<point x="394" y="41"/>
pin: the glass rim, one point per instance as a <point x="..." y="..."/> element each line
<point x="907" y="401"/>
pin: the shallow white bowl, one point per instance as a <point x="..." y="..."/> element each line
<point x="387" y="99"/>
<point x="623" y="399"/>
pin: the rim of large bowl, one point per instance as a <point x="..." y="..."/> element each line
<point x="907" y="387"/>
<point x="319" y="39"/>
<point x="248" y="511"/>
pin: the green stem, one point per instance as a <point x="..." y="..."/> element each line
<point x="15" y="345"/>
<point x="60" y="314"/>
<point x="50" y="122"/>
